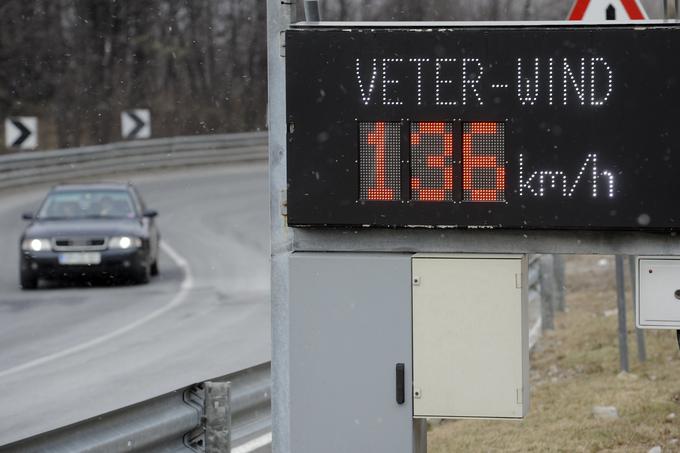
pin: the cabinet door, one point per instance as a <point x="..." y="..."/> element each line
<point x="470" y="356"/>
<point x="658" y="301"/>
<point x="350" y="325"/>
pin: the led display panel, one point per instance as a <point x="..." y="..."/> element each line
<point x="379" y="161"/>
<point x="483" y="162"/>
<point x="432" y="161"/>
<point x="546" y="126"/>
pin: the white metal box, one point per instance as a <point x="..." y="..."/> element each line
<point x="470" y="336"/>
<point x="658" y="292"/>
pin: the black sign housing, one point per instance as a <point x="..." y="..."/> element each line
<point x="587" y="121"/>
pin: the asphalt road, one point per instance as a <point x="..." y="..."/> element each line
<point x="68" y="353"/>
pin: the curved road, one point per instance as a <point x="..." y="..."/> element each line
<point x="69" y="352"/>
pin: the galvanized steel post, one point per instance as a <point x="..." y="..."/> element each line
<point x="547" y="283"/>
<point x="558" y="267"/>
<point x="621" y="305"/>
<point x="639" y="333"/>
<point x="312" y="13"/>
<point x="420" y="435"/>
<point x="280" y="14"/>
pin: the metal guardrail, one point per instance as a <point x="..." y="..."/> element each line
<point x="174" y="422"/>
<point x="141" y="155"/>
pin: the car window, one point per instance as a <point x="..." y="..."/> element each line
<point x="73" y="204"/>
<point x="137" y="199"/>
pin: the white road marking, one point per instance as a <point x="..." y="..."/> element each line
<point x="187" y="284"/>
<point x="254" y="444"/>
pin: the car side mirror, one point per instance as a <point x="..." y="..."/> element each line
<point x="27" y="216"/>
<point x="150" y="213"/>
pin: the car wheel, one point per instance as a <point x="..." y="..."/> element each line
<point x="143" y="275"/>
<point x="28" y="280"/>
<point x="154" y="267"/>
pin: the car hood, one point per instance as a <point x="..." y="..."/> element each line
<point x="84" y="227"/>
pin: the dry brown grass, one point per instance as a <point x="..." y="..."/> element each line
<point x="575" y="368"/>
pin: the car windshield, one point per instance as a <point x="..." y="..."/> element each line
<point x="78" y="204"/>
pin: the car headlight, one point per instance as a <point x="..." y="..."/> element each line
<point x="36" y="245"/>
<point x="124" y="242"/>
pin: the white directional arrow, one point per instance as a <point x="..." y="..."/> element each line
<point x="21" y="132"/>
<point x="135" y="124"/>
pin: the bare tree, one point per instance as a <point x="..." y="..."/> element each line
<point x="199" y="65"/>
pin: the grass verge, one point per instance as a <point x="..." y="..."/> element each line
<point x="576" y="367"/>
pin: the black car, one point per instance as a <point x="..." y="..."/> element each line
<point x="86" y="230"/>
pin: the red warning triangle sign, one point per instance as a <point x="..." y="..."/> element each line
<point x="602" y="10"/>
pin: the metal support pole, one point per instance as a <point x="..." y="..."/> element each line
<point x="639" y="333"/>
<point x="670" y="9"/>
<point x="280" y="14"/>
<point x="419" y="435"/>
<point x="547" y="282"/>
<point x="312" y="13"/>
<point x="621" y="305"/>
<point x="217" y="410"/>
<point x="560" y="284"/>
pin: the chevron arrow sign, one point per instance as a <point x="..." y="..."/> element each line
<point x="21" y="132"/>
<point x="135" y="124"/>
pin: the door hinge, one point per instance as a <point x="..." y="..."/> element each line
<point x="282" y="44"/>
<point x="284" y="203"/>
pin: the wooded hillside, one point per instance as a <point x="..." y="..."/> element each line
<point x="198" y="65"/>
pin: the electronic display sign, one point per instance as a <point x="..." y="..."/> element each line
<point x="522" y="127"/>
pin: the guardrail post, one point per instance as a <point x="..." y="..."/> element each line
<point x="547" y="282"/>
<point x="217" y="410"/>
